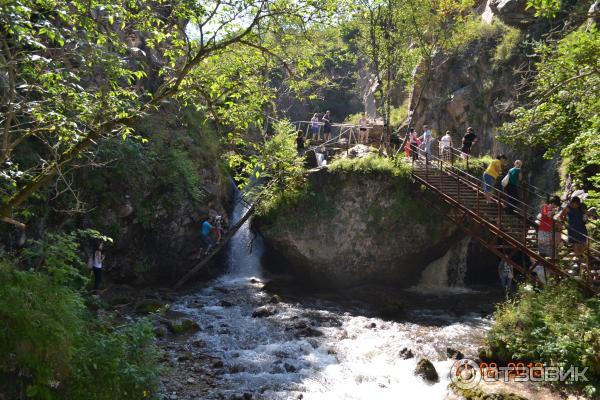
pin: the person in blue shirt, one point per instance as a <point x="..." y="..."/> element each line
<point x="426" y="139"/>
<point x="206" y="235"/>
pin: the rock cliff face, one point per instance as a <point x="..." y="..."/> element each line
<point x="358" y="228"/>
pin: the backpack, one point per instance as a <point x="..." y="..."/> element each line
<point x="505" y="180"/>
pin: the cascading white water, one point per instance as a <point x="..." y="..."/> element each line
<point x="351" y="356"/>
<point x="448" y="272"/>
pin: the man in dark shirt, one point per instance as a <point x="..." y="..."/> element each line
<point x="300" y="143"/>
<point x="468" y="140"/>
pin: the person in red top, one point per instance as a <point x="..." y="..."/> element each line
<point x="547" y="227"/>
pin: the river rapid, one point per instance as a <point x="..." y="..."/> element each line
<point x="312" y="344"/>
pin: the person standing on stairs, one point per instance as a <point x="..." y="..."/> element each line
<point x="576" y="216"/>
<point x="427" y="139"/>
<point x="327" y="125"/>
<point x="547" y="227"/>
<point x="445" y="146"/>
<point x="515" y="176"/>
<point x="414" y="144"/>
<point x="490" y="175"/>
<point x="468" y="140"/>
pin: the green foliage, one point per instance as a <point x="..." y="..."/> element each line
<point x="282" y="170"/>
<point x="58" y="256"/>
<point x="370" y="164"/>
<point x="475" y="29"/>
<point x="562" y="115"/>
<point x="53" y="349"/>
<point x="557" y="326"/>
<point x="509" y="45"/>
<point x="123" y="358"/>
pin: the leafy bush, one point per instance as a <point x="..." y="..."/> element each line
<point x="475" y="29"/>
<point x="372" y="164"/>
<point x="52" y="347"/>
<point x="556" y="326"/>
<point x="508" y="46"/>
<point x="281" y="168"/>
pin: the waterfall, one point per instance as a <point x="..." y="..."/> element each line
<point x="448" y="271"/>
<point x="245" y="249"/>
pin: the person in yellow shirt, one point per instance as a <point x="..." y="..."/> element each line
<point x="491" y="174"/>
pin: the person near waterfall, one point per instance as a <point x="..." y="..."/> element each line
<point x="300" y="143"/>
<point x="97" y="262"/>
<point x="505" y="272"/>
<point x="314" y="125"/>
<point x="327" y="125"/>
<point x="427" y="139"/>
<point x="206" y="232"/>
<point x="363" y="129"/>
<point x="491" y="174"/>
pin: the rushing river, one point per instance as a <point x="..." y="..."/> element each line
<point x="328" y="346"/>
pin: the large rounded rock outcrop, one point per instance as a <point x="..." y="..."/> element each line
<point x="357" y="228"/>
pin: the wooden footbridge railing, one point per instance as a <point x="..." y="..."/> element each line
<point x="462" y="200"/>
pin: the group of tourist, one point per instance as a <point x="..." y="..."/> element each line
<point x="416" y="144"/>
<point x="549" y="235"/>
<point x="316" y="131"/>
<point x="211" y="232"/>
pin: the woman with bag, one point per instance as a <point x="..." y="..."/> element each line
<point x="512" y="188"/>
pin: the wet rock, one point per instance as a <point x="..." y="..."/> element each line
<point x="309" y="332"/>
<point x="262" y="312"/>
<point x="275" y="299"/>
<point x="221" y="289"/>
<point x="217" y="364"/>
<point x="393" y="309"/>
<point x="185" y="356"/>
<point x="191" y="381"/>
<point x="147" y="306"/>
<point x="406" y="353"/>
<point x="454" y="354"/>
<point x="199" y="343"/>
<point x="225" y="303"/>
<point x="237" y="368"/>
<point x="160" y="331"/>
<point x="372" y="325"/>
<point x="182" y="325"/>
<point x="289" y="368"/>
<point x="426" y="370"/>
<point x="254" y="280"/>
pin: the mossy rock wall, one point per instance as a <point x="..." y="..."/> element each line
<point x="355" y="228"/>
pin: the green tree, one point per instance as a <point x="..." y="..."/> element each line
<point x="76" y="72"/>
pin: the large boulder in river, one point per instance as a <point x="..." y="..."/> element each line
<point x="357" y="228"/>
<point x="426" y="370"/>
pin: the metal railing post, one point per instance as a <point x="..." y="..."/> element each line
<point x="499" y="203"/>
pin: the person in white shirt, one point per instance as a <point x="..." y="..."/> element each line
<point x="97" y="260"/>
<point x="314" y="124"/>
<point x="445" y="146"/>
<point x="364" y="129"/>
